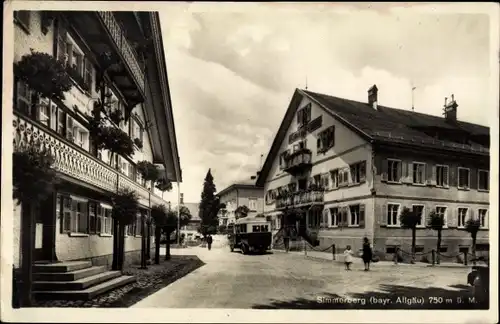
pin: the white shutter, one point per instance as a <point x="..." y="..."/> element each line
<point x="69" y="128"/>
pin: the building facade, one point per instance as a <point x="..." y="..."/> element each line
<point x="75" y="222"/>
<point x="351" y="168"/>
<point x="242" y="193"/>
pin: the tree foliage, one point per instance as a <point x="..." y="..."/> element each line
<point x="159" y="215"/>
<point x="472" y="226"/>
<point x="148" y="170"/>
<point x="436" y="221"/>
<point x="242" y="211"/>
<point x="209" y="206"/>
<point x="409" y="219"/>
<point x="44" y="74"/>
<point x="163" y="184"/>
<point x="171" y="219"/>
<point x="32" y="174"/>
<point x="125" y="206"/>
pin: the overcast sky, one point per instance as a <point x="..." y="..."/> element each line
<point x="233" y="68"/>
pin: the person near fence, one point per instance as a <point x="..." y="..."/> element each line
<point x="348" y="257"/>
<point x="209" y="242"/>
<point x="367" y="253"/>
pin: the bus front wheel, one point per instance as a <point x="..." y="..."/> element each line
<point x="244" y="248"/>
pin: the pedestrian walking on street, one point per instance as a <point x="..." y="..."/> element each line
<point x="367" y="253"/>
<point x="348" y="257"/>
<point x="209" y="242"/>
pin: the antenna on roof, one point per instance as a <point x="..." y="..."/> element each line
<point x="306" y="81"/>
<point x="412" y="97"/>
<point x="261" y="159"/>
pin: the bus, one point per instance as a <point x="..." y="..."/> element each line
<point x="250" y="234"/>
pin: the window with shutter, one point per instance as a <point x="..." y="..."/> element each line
<point x="62" y="40"/>
<point x="88" y="76"/>
<point x="385" y="170"/>
<point x="463" y="178"/>
<point x="69" y="128"/>
<point x="362" y="215"/>
<point x="483" y="180"/>
<point x="441" y="176"/>
<point x="383" y="216"/>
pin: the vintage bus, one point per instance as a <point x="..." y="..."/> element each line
<point x="250" y="234"/>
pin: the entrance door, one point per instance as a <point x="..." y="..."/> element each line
<point x="45" y="221"/>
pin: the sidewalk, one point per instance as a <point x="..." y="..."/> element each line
<point x="339" y="258"/>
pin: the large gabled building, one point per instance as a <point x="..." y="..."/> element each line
<point x="350" y="168"/>
<point x="75" y="222"/>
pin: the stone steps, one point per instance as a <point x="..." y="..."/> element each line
<point x="76" y="280"/>
<point x="86" y="294"/>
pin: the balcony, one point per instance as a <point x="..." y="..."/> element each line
<point x="104" y="35"/>
<point x="300" y="199"/>
<point x="73" y="161"/>
<point x="298" y="161"/>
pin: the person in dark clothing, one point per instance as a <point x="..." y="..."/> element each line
<point x="367" y="253"/>
<point x="209" y="242"/>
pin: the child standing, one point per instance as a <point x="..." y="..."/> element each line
<point x="348" y="257"/>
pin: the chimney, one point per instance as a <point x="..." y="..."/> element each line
<point x="450" y="109"/>
<point x="373" y="97"/>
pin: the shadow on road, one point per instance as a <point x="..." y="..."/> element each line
<point x="395" y="297"/>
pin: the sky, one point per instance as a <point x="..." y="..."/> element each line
<point x="233" y="69"/>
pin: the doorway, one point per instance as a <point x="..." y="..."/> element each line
<point x="45" y="231"/>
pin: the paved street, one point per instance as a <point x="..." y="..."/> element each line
<point x="280" y="280"/>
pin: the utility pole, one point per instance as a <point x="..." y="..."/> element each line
<point x="178" y="212"/>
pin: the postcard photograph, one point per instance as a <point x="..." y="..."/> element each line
<point x="250" y="159"/>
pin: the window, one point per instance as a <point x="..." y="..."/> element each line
<point x="443" y="249"/>
<point x="304" y="115"/>
<point x="256" y="228"/>
<point x="462" y="216"/>
<point x="61" y="122"/>
<point x="418" y="173"/>
<point x="93" y="216"/>
<point x="252" y="204"/>
<point x="483" y="180"/>
<point x="441" y="211"/>
<point x="463" y="178"/>
<point x="354" y="211"/>
<point x="482" y="215"/>
<point x="75" y="213"/>
<point x="325" y="221"/>
<point x="283" y="159"/>
<point x="334" y="216"/>
<point x="442" y="179"/>
<point x="334" y="174"/>
<point x="138" y="225"/>
<point x="43" y="112"/>
<point x="358" y="172"/>
<point x="419" y="211"/>
<point x="392" y="214"/>
<point x="343" y="177"/>
<point x="314" y="219"/>
<point x="23" y="98"/>
<point x="393" y="170"/>
<point x="264" y="228"/>
<point x="325" y="181"/>
<point x="23" y="17"/>
<point x="326" y="139"/>
<point x="135" y="130"/>
<point x="66" y="204"/>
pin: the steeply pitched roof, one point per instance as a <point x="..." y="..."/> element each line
<point x="245" y="183"/>
<point x="383" y="124"/>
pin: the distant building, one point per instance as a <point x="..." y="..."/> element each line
<point x="195" y="221"/>
<point x="351" y="167"/>
<point x="241" y="193"/>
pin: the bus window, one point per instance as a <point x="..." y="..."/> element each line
<point x="264" y="228"/>
<point x="256" y="228"/>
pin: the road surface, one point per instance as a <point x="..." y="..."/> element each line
<point x="280" y="280"/>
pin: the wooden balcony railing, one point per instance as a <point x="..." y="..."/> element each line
<point x="300" y="198"/>
<point x="128" y="52"/>
<point x="75" y="162"/>
<point x="298" y="161"/>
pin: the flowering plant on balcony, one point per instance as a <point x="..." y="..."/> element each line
<point x="33" y="177"/>
<point x="116" y="116"/>
<point x="138" y="142"/>
<point x="315" y="187"/>
<point x="44" y="74"/>
<point x="114" y="140"/>
<point x="163" y="184"/>
<point x="148" y="170"/>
